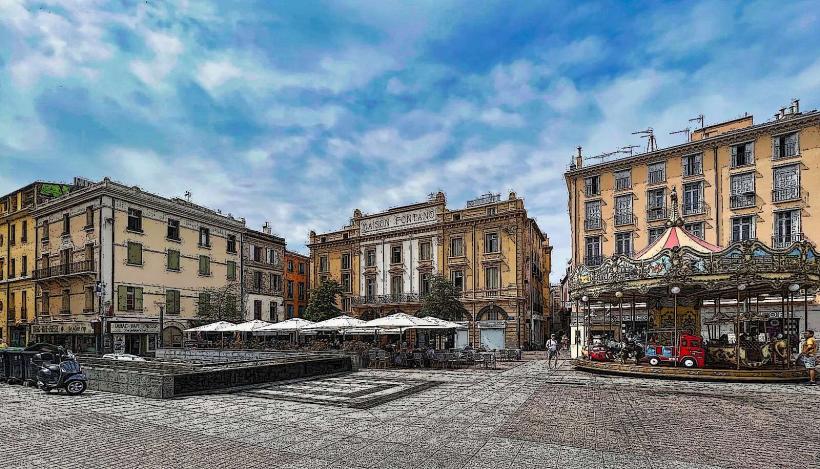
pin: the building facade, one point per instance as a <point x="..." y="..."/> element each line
<point x="734" y="181"/>
<point x="18" y="252"/>
<point x="297" y="284"/>
<point x="118" y="266"/>
<point x="495" y="255"/>
<point x="262" y="275"/>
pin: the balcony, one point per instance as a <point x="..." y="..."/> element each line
<point x="786" y="240"/>
<point x="62" y="270"/>
<point x="593" y="223"/>
<point x="744" y="200"/>
<point x="398" y="298"/>
<point x="626" y="218"/>
<point x="592" y="261"/>
<point x="657" y="176"/>
<point x="656" y="213"/>
<point x="695" y="208"/>
<point x="784" y="194"/>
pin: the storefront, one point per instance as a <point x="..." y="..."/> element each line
<point x="77" y="336"/>
<point x="136" y="338"/>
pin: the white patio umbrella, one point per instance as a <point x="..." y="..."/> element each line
<point x="339" y="323"/>
<point x="218" y="326"/>
<point x="444" y="324"/>
<point x="287" y="326"/>
<point x="399" y="321"/>
<point x="249" y="326"/>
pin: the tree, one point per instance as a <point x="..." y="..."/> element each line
<point x="221" y="304"/>
<point x="322" y="303"/>
<point x="442" y="301"/>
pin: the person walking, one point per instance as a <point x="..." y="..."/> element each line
<point x="552" y="352"/>
<point x="809" y="353"/>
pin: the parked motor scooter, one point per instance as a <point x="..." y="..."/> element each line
<point x="65" y="374"/>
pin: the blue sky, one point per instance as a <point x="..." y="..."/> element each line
<point x="299" y="112"/>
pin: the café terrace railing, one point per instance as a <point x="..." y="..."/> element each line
<point x="60" y="270"/>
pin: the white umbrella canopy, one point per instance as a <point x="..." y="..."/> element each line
<point x="219" y="326"/>
<point x="339" y="323"/>
<point x="444" y="324"/>
<point x="290" y="325"/>
<point x="400" y="321"/>
<point x="249" y="326"/>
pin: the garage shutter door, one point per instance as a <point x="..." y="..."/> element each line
<point x="492" y="339"/>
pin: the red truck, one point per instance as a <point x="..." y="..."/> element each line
<point x="690" y="353"/>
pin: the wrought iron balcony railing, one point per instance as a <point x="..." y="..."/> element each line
<point x="626" y="218"/>
<point x="60" y="270"/>
<point x="695" y="208"/>
<point x="786" y="240"/>
<point x="783" y="194"/>
<point x="397" y="298"/>
<point x="656" y="213"/>
<point x="742" y="200"/>
<point x="593" y="223"/>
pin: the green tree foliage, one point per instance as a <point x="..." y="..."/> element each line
<point x="442" y="301"/>
<point x="220" y="304"/>
<point x="322" y="303"/>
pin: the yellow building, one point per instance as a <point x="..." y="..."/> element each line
<point x="118" y="260"/>
<point x="494" y="254"/>
<point x="18" y="251"/>
<point x="735" y="181"/>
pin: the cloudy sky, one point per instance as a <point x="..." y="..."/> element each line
<point x="298" y="112"/>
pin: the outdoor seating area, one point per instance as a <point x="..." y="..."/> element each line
<point x="440" y="359"/>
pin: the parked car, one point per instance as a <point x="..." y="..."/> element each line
<point x="126" y="357"/>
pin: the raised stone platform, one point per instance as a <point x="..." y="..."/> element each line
<point x="791" y="375"/>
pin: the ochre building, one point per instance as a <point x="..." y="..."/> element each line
<point x="492" y="251"/>
<point x="297" y="284"/>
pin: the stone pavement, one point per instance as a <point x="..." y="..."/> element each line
<point x="524" y="417"/>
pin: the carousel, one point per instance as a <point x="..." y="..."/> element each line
<point x="683" y="308"/>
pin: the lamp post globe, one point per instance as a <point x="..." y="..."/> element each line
<point x="675" y="290"/>
<point x="794" y="287"/>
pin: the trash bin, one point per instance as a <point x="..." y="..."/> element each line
<point x="4" y="372"/>
<point x="16" y="368"/>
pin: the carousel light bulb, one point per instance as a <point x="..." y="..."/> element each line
<point x="584" y="298"/>
<point x="741" y="287"/>
<point x="794" y="287"/>
<point x="675" y="290"/>
<point x="619" y="294"/>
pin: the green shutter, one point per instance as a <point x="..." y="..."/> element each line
<point x="177" y="306"/>
<point x="135" y="253"/>
<point x="169" y="301"/>
<point x="173" y="260"/>
<point x="138" y="299"/>
<point x="231" y="270"/>
<point x="122" y="293"/>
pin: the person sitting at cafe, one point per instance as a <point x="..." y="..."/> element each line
<point x="468" y="347"/>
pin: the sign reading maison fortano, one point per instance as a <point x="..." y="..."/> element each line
<point x="393" y="221"/>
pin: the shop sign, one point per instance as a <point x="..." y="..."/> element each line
<point x="492" y="324"/>
<point x="134" y="328"/>
<point x="394" y="221"/>
<point x="62" y="328"/>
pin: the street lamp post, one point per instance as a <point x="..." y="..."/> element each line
<point x="793" y="289"/>
<point x="740" y="288"/>
<point x="620" y="295"/>
<point x="675" y="290"/>
<point x="585" y="299"/>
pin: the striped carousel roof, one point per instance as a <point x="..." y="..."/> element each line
<point x="675" y="236"/>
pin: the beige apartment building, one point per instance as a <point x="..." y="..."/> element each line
<point x="262" y="274"/>
<point x="114" y="262"/>
<point x="494" y="254"/>
<point x="734" y="181"/>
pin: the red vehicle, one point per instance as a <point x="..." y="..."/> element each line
<point x="690" y="353"/>
<point x="598" y="353"/>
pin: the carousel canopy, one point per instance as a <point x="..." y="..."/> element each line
<point x="290" y="325"/>
<point x="249" y="326"/>
<point x="219" y="326"/>
<point x="675" y="237"/>
<point x="338" y="323"/>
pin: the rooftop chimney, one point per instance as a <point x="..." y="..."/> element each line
<point x="795" y="106"/>
<point x="782" y="112"/>
<point x="579" y="159"/>
<point x="266" y="228"/>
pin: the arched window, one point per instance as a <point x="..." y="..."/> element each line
<point x="172" y="337"/>
<point x="492" y="313"/>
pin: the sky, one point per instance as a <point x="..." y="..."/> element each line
<point x="299" y="112"/>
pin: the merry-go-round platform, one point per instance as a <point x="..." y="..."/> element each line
<point x="631" y="370"/>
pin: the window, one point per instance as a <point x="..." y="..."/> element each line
<point x="743" y="154"/>
<point x="172" y="260"/>
<point x="173" y="229"/>
<point x="24" y="266"/>
<point x="370" y="287"/>
<point x="1" y="271"/>
<point x="592" y="250"/>
<point x="45" y="232"/>
<point x="257" y="281"/>
<point x="204" y="265"/>
<point x="274" y="258"/>
<point x="23" y="304"/>
<point x="89" y="217"/>
<point x="491" y="242"/>
<point x="623" y="210"/>
<point x="656" y="204"/>
<point x="65" y="306"/>
<point x="232" y="271"/>
<point x="323" y="264"/>
<point x="623" y="180"/>
<point x="592" y="186"/>
<point x="657" y="172"/>
<point x="276" y="282"/>
<point x="346" y="261"/>
<point x="232" y="244"/>
<point x="89" y="254"/>
<point x="786" y="183"/>
<point x="45" y="304"/>
<point x="302" y="268"/>
<point x="623" y="244"/>
<point x="290" y="266"/>
<point x="395" y="254"/>
<point x="301" y="290"/>
<point x="743" y="228"/>
<point x="290" y="312"/>
<point x="492" y="280"/>
<point x="12" y="235"/>
<point x="204" y="237"/>
<point x="346" y="284"/>
<point x="257" y="310"/>
<point x="172" y="303"/>
<point x="290" y="289"/>
<point x="370" y="258"/>
<point x="655" y="233"/>
<point x="456" y="247"/>
<point x="12" y="268"/>
<point x="692" y="165"/>
<point x="396" y="285"/>
<point x="135" y="220"/>
<point x="134" y="253"/>
<point x="65" y="258"/>
<point x="592" y="217"/>
<point x="24" y="232"/>
<point x="301" y="311"/>
<point x="67" y="223"/>
<point x="693" y="198"/>
<point x="258" y="253"/>
<point x="742" y="190"/>
<point x="426" y="283"/>
<point x="457" y="277"/>
<point x="129" y="298"/>
<point x="274" y="311"/>
<point x="491" y="211"/>
<point x="425" y="251"/>
<point x="784" y="146"/>
<point x="696" y="229"/>
<point x="456" y="216"/>
<point x="204" y="302"/>
<point x="786" y="228"/>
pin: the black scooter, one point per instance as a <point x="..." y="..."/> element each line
<point x="66" y="375"/>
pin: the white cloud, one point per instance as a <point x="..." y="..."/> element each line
<point x="213" y="74"/>
<point x="167" y="49"/>
<point x="500" y="118"/>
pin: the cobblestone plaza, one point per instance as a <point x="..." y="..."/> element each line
<point x="526" y="416"/>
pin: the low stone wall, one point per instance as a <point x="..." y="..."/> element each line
<point x="131" y="382"/>
<point x="219" y="355"/>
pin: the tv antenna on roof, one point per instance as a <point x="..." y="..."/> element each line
<point x="629" y="149"/>
<point x="188" y="196"/>
<point x="649" y="135"/>
<point x="602" y="156"/>
<point x="682" y="131"/>
<point x="698" y="119"/>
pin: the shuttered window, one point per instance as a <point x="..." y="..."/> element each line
<point x="134" y="253"/>
<point x="129" y="298"/>
<point x="173" y="260"/>
<point x="172" y="302"/>
<point x="204" y="265"/>
<point x="232" y="270"/>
